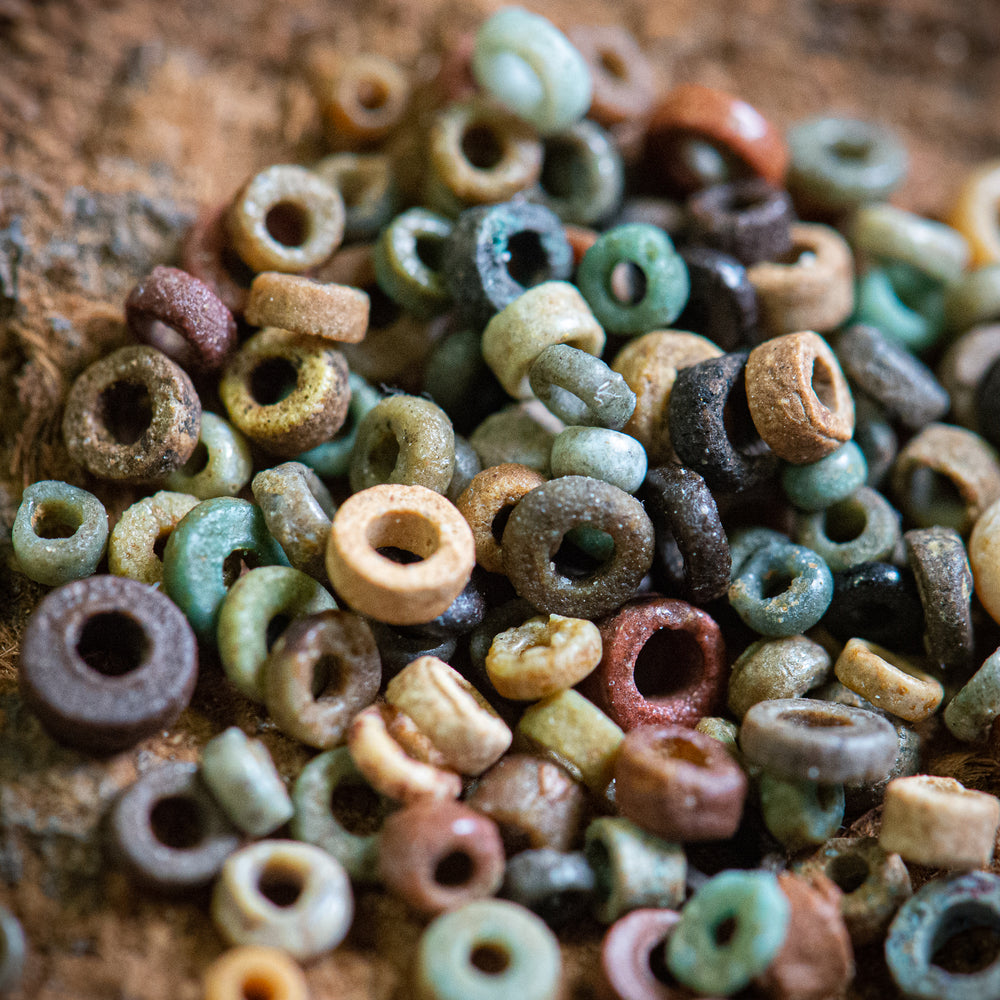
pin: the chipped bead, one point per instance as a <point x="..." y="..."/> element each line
<point x="140" y="530"/>
<point x="220" y="465"/>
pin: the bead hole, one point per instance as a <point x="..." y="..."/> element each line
<point x="741" y="201"/>
<point x="852" y="150"/>
<point x="500" y="519"/>
<point x="931" y="490"/>
<point x="725" y="932"/>
<point x="679" y="749"/>
<point x="382" y="311"/>
<point x="327" y="677"/>
<point x="112" y="644"/>
<point x="563" y="173"/>
<point x="160" y="545"/>
<point x="280" y="885"/>
<point x="372" y="93"/>
<point x="814" y="720"/>
<point x="430" y="250"/>
<point x="237" y="564"/>
<point x="405" y="530"/>
<point x="844" y="522"/>
<point x="848" y="871"/>
<point x="738" y="423"/>
<point x="56" y="520"/>
<point x="126" y="410"/>
<point x="454" y="869"/>
<point x="197" y="462"/>
<point x="258" y="988"/>
<point x="669" y="662"/>
<point x="177" y="822"/>
<point x="967" y="939"/>
<point x="613" y="64"/>
<point x="357" y="808"/>
<point x="481" y="147"/>
<point x="492" y="959"/>
<point x="527" y="261"/>
<point x="275" y="627"/>
<point x="627" y="283"/>
<point x="165" y="338"/>
<point x="287" y="223"/>
<point x="823" y="383"/>
<point x="657" y="961"/>
<point x="574" y="562"/>
<point x="774" y="584"/>
<point x="273" y="380"/>
<point x="383" y="456"/>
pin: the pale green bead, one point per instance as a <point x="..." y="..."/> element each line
<point x="972" y="711"/>
<point x="599" y="453"/>
<point x="800" y="813"/>
<point x="220" y="465"/>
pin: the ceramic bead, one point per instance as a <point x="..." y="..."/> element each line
<point x="407" y="259"/>
<point x="517" y="434"/>
<point x="823" y="483"/>
<point x="786" y="667"/>
<point x="333" y="458"/>
<point x="369" y="189"/>
<point x="722" y="302"/>
<point x="220" y="466"/>
<point x="310" y="308"/>
<point x="906" y="306"/>
<point x="599" y="453"/>
<point x="800" y="813"/>
<point x="864" y="524"/>
<point x="140" y="530"/>
<point x="579" y="389"/>
<point x="972" y="710"/>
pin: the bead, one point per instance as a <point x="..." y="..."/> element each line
<point x="396" y="649"/>
<point x="140" y="530"/>
<point x="241" y="972"/>
<point x="168" y="832"/>
<point x="907" y="307"/>
<point x="663" y="288"/>
<point x="489" y="949"/>
<point x="799" y="400"/>
<point x="551" y="313"/>
<point x="515" y="435"/>
<point x="984" y="561"/>
<point x="875" y="437"/>
<point x="60" y="533"/>
<point x="599" y="453"/>
<point x="412" y="518"/>
<point x="407" y="258"/>
<point x="800" y="813"/>
<point x="528" y="65"/>
<point x="746" y="542"/>
<point x="283" y="894"/>
<point x="963" y="367"/>
<point x="286" y="219"/>
<point x="181" y="316"/>
<point x="974" y="213"/>
<point x="207" y="255"/>
<point x="631" y="948"/>
<point x="287" y="393"/>
<point x="241" y="775"/>
<point x="307" y="307"/>
<point x="786" y="667"/>
<point x="722" y="730"/>
<point x="679" y="784"/>
<point x="537" y="526"/>
<point x="460" y="617"/>
<point x="132" y="416"/>
<point x="971" y="712"/>
<point x="810" y="288"/>
<point x="876" y="601"/>
<point x="325" y="782"/>
<point x="367" y="185"/>
<point x="632" y="868"/>
<point x="863" y="796"/>
<point x="467" y="467"/>
<point x="106" y="662"/>
<point x="13" y="949"/>
<point x="974" y="299"/>
<point x="333" y="458"/>
<point x="436" y="856"/>
<point x="297" y="509"/>
<point x="722" y="302"/>
<point x="760" y="913"/>
<point x="457" y="378"/>
<point x="987" y="408"/>
<point x="556" y="886"/>
<point x="939" y="822"/>
<point x="865" y="526"/>
<point x="497" y="252"/>
<point x="939" y="913"/>
<point x="220" y="465"/>
<point x="827" y="481"/>
<point x="580" y="389"/>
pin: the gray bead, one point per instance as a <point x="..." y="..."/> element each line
<point x="558" y="886"/>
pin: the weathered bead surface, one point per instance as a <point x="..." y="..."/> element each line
<point x="221" y="464"/>
<point x="821" y="484"/>
<point x="785" y="667"/>
<point x="307" y="307"/>
<point x="722" y="303"/>
<point x="406" y="257"/>
<point x="579" y="389"/>
<point x="140" y="530"/>
<point x="599" y="453"/>
<point x="862" y="527"/>
<point x="800" y="813"/>
<point x="517" y="434"/>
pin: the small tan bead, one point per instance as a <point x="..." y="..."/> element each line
<point x="984" y="558"/>
<point x="786" y="667"/>
<point x="553" y="312"/>
<point x="963" y="367"/>
<point x="254" y="971"/>
<point x="889" y="681"/>
<point x="649" y="365"/>
<point x="492" y="491"/>
<point x="939" y="822"/>
<point x="132" y="544"/>
<point x="799" y="399"/>
<point x="412" y="518"/>
<point x="543" y="656"/>
<point x="311" y="308"/>
<point x="447" y="709"/>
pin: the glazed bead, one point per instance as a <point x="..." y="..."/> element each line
<point x="876" y="601"/>
<point x="800" y="813"/>
<point x="516" y="434"/>
<point x="760" y="911"/>
<point x="971" y="712"/>
<point x="963" y="367"/>
<point x="665" y="283"/>
<point x="520" y="954"/>
<point x="283" y="894"/>
<point x="436" y="856"/>
<point x="557" y="886"/>
<point x="865" y="524"/>
<point x="241" y="775"/>
<point x="367" y="185"/>
<point x="286" y="219"/>
<point x="240" y="972"/>
<point x="786" y="667"/>
<point x="220" y="465"/>
<point x="632" y="869"/>
<point x="316" y="795"/>
<point x="551" y="313"/>
<point x="13" y="949"/>
<point x="722" y="302"/>
<point x="168" y="832"/>
<point x="139" y="532"/>
<point x="599" y="453"/>
<point x="827" y="481"/>
<point x="287" y="393"/>
<point x="333" y="458"/>
<point x="297" y="509"/>
<point x="60" y="533"/>
<point x="975" y="210"/>
<point x="906" y="306"/>
<point x="195" y="574"/>
<point x="246" y="613"/>
<point x="307" y="307"/>
<point x="412" y="518"/>
<point x="106" y="662"/>
<point x="181" y="316"/>
<point x="806" y="739"/>
<point x="132" y="416"/>
<point x="580" y="389"/>
<point x="407" y="259"/>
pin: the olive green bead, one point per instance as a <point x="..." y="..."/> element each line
<point x="785" y="667"/>
<point x="866" y="521"/>
<point x="221" y="464"/>
<point x="726" y="732"/>
<point x="407" y="258"/>
<point x="800" y="813"/>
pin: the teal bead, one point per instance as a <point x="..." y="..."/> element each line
<point x="520" y="954"/>
<point x="333" y="457"/>
<point x="867" y="523"/>
<point x="760" y="912"/>
<point x="800" y="813"/>
<point x="195" y="557"/>
<point x="744" y="542"/>
<point x="60" y="533"/>
<point x="614" y="457"/>
<point x="593" y="542"/>
<point x="820" y="484"/>
<point x="905" y="306"/>
<point x="221" y="464"/>
<point x="662" y="294"/>
<point x="407" y="259"/>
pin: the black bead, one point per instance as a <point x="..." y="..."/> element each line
<point x="879" y="602"/>
<point x="722" y="304"/>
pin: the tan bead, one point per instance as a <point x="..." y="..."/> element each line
<point x="311" y="308"/>
<point x="412" y="518"/>
<point x="975" y="213"/>
<point x="963" y="367"/>
<point x="799" y="399"/>
<point x="543" y="656"/>
<point x="939" y="822"/>
<point x="254" y="971"/>
<point x="553" y="312"/>
<point x="984" y="558"/>
<point x="785" y="667"/>
<point x="447" y="709"/>
<point x="649" y="364"/>
<point x="492" y="491"/>
<point x="133" y="541"/>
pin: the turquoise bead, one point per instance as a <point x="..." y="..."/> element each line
<point x="801" y="813"/>
<point x="614" y="457"/>
<point x="407" y="259"/>
<point x="904" y="305"/>
<point x="333" y="457"/>
<point x="760" y="912"/>
<point x="744" y="542"/>
<point x="194" y="560"/>
<point x="820" y="484"/>
<point x="867" y="523"/>
<point x="221" y="464"/>
<point x="661" y="296"/>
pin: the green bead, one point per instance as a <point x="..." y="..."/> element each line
<point x="800" y="813"/>
<point x="866" y="521"/>
<point x="252" y="603"/>
<point x="909" y="310"/>
<point x="194" y="560"/>
<point x="971" y="712"/>
<point x="407" y="259"/>
<point x="220" y="465"/>
<point x="974" y="299"/>
<point x="760" y="912"/>
<point x="726" y="732"/>
<point x="579" y="389"/>
<point x="520" y="953"/>
<point x="744" y="542"/>
<point x="593" y="542"/>
<point x="611" y="456"/>
<point x="333" y="458"/>
<point x="664" y="292"/>
<point x="819" y="484"/>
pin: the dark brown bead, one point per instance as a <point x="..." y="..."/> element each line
<point x="722" y="304"/>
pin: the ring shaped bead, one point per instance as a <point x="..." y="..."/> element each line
<point x="964" y="366"/>
<point x="908" y="310"/>
<point x="800" y="813"/>
<point x="580" y="389"/>
<point x="13" y="950"/>
<point x="333" y="458"/>
<point x="722" y="303"/>
<point x="787" y="667"/>
<point x="316" y="919"/>
<point x="556" y="885"/>
<point x="596" y="452"/>
<point x="820" y="484"/>
<point x="241" y="972"/>
<point x="866" y="519"/>
<point x="367" y="185"/>
<point x="974" y="299"/>
<point x="60" y="532"/>
<point x="194" y="560"/>
<point x="286" y="219"/>
<point x="517" y="434"/>
<point x="877" y="601"/>
<point x="106" y="662"/>
<point x="220" y="465"/>
<point x="975" y="213"/>
<point x="664" y="290"/>
<point x="307" y="307"/>
<point x="629" y="950"/>
<point x="140" y="530"/>
<point x="407" y="257"/>
<point x="527" y="64"/>
<point x="971" y="712"/>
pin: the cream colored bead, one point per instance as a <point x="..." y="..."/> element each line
<point x="311" y="308"/>
<point x="131" y="546"/>
<point x="984" y="558"/>
<point x="939" y="822"/>
<point x="254" y="971"/>
<point x="543" y="656"/>
<point x="451" y="713"/>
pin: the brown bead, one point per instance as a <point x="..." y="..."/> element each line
<point x="207" y="254"/>
<point x="535" y="803"/>
<point x="311" y="308"/>
<point x="438" y="855"/>
<point x="964" y="366"/>
<point x="679" y="784"/>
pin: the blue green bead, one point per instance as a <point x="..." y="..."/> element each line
<point x="220" y="465"/>
<point x="597" y="544"/>
<point x="906" y="306"/>
<point x="666" y="288"/>
<point x="800" y="813"/>
<point x="760" y="911"/>
<point x="744" y="542"/>
<point x="581" y="390"/>
<point x="614" y="457"/>
<point x="819" y="484"/>
<point x="333" y="457"/>
<point x="194" y="560"/>
<point x="867" y="523"/>
<point x="13" y="951"/>
<point x="407" y="259"/>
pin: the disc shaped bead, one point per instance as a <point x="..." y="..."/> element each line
<point x="800" y="813"/>
<point x="401" y="256"/>
<point x="311" y="308"/>
<point x="864" y="524"/>
<point x="821" y="484"/>
<point x="579" y="389"/>
<point x="599" y="453"/>
<point x="140" y="530"/>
